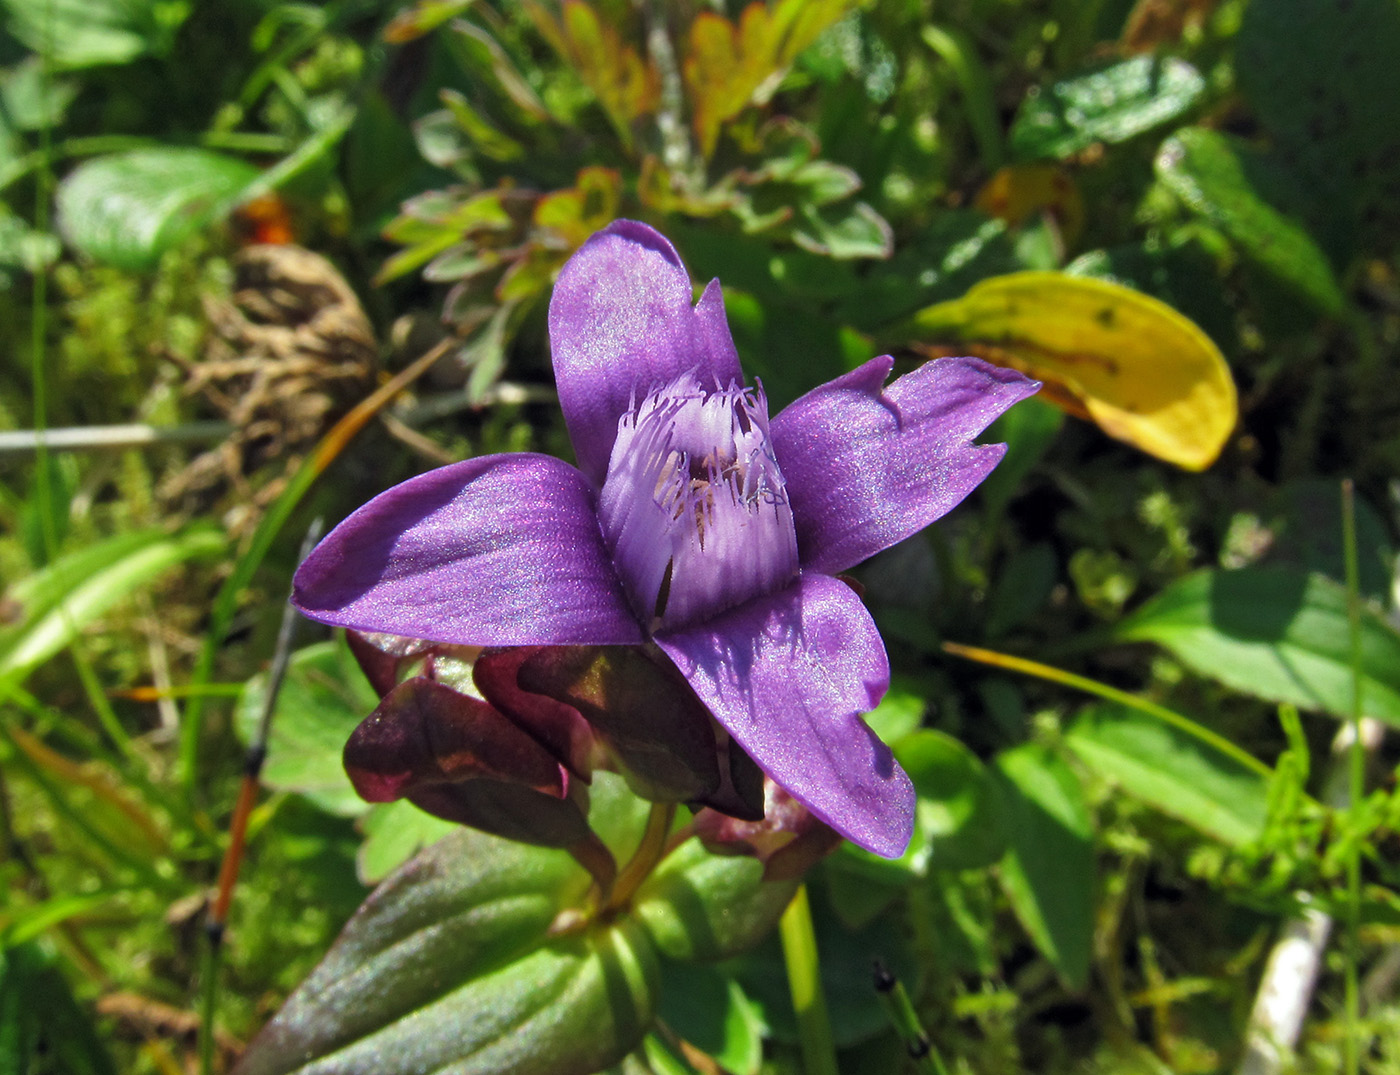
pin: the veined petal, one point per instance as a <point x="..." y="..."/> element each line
<point x="503" y="550"/>
<point x="867" y="466"/>
<point x="621" y="322"/>
<point x="789" y="675"/>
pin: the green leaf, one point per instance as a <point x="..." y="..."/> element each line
<point x="1110" y="105"/>
<point x="59" y="601"/>
<point x="958" y="823"/>
<point x="1048" y="870"/>
<point x="855" y="1009"/>
<point x="88" y="33"/>
<point x="33" y="101"/>
<point x="699" y="906"/>
<point x="450" y="963"/>
<point x="323" y="698"/>
<point x="394" y="833"/>
<point x="709" y="1009"/>
<point x="42" y="1028"/>
<point x="127" y="209"/>
<point x="1225" y="182"/>
<point x="843" y="231"/>
<point x="1176" y="773"/>
<point x="1277" y="633"/>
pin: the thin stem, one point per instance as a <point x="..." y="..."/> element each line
<point x="805" y="983"/>
<point x="1357" y="783"/>
<point x="650" y="851"/>
<point x="1112" y="694"/>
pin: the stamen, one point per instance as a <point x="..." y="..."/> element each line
<point x="694" y="507"/>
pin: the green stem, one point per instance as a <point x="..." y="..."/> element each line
<point x="805" y="983"/>
<point x="1112" y="694"/>
<point x="1357" y="758"/>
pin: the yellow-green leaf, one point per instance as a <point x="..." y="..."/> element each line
<point x="1131" y="364"/>
<point x="727" y="65"/>
<point x="626" y="85"/>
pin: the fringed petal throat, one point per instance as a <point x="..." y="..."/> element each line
<point x="693" y="506"/>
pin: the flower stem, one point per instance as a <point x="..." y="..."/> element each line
<point x="649" y="852"/>
<point x="805" y="984"/>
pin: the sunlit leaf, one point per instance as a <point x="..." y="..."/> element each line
<point x="59" y="601"/>
<point x="323" y="698"/>
<point x="1048" y="871"/>
<point x="421" y="18"/>
<point x="1224" y="181"/>
<point x="89" y="33"/>
<point x="450" y="963"/>
<point x="1111" y="105"/>
<point x="1176" y="773"/>
<point x="129" y="208"/>
<point x="626" y="85"/>
<point x="1138" y="369"/>
<point x="728" y="66"/>
<point x="1277" y="633"/>
<point x="394" y="833"/>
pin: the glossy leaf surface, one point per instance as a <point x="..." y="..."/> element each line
<point x="1277" y="633"/>
<point x="1048" y="870"/>
<point x="1173" y="772"/>
<point x="129" y="208"/>
<point x="1109" y="105"/>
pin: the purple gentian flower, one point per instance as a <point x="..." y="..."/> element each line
<point x="692" y="521"/>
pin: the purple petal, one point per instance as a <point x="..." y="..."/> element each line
<point x="503" y="550"/>
<point x="866" y="467"/>
<point x="789" y="675"/>
<point x="621" y="323"/>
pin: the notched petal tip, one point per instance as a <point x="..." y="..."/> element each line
<point x="868" y="465"/>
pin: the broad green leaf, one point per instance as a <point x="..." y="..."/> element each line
<point x="1322" y="78"/>
<point x="89" y="33"/>
<point x="394" y="833"/>
<point x="1224" y="181"/>
<point x="958" y="823"/>
<point x="1048" y="870"/>
<point x="699" y="906"/>
<point x="42" y="1028"/>
<point x="1277" y="633"/>
<point x="1172" y="771"/>
<point x="127" y="209"/>
<point x="708" y="1008"/>
<point x="450" y="964"/>
<point x="1138" y="369"/>
<point x="32" y="101"/>
<point x="59" y="601"/>
<point x="323" y="698"/>
<point x="1111" y="105"/>
<point x="843" y="231"/>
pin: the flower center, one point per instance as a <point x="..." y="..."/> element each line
<point x="693" y="506"/>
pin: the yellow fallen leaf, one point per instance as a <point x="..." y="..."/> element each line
<point x="1131" y="364"/>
